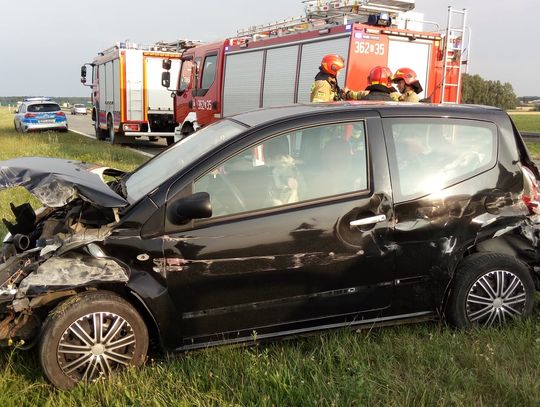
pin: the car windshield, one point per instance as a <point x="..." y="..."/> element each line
<point x="151" y="174"/>
<point x="78" y="105"/>
<point x="43" y="107"/>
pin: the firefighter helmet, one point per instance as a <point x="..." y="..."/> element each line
<point x="332" y="64"/>
<point x="407" y="74"/>
<point x="380" y="75"/>
<point x="410" y="79"/>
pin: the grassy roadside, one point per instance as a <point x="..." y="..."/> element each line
<point x="416" y="365"/>
<point x="529" y="122"/>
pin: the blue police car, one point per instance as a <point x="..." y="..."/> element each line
<point x="39" y="114"/>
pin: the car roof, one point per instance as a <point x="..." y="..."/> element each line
<point x="385" y="109"/>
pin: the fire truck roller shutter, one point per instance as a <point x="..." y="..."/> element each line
<point x="312" y="54"/>
<point x="412" y="54"/>
<point x="116" y="87"/>
<point x="280" y="76"/>
<point x="243" y="74"/>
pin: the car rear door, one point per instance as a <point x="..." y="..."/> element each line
<point x="298" y="238"/>
<point x="445" y="177"/>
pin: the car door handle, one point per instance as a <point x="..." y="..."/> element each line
<point x="368" y="221"/>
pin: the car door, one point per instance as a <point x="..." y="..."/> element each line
<point x="444" y="177"/>
<point x="297" y="239"/>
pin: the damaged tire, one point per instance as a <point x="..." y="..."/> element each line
<point x="490" y="289"/>
<point x="89" y="336"/>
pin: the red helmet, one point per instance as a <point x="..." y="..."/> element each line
<point x="407" y="74"/>
<point x="380" y="75"/>
<point x="332" y="63"/>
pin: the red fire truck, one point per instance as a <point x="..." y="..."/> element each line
<point x="275" y="64"/>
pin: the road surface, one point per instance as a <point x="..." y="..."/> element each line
<point x="83" y="124"/>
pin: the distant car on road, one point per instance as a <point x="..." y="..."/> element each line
<point x="40" y="114"/>
<point x="78" y="109"/>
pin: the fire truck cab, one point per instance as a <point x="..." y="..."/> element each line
<point x="275" y="64"/>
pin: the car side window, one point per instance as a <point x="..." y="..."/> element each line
<point x="209" y="71"/>
<point x="428" y="155"/>
<point x="307" y="164"/>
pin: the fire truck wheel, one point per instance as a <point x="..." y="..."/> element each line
<point x="152" y="138"/>
<point x="170" y="140"/>
<point x="100" y="134"/>
<point x="114" y="137"/>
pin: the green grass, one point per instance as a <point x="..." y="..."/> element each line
<point x="416" y="365"/>
<point x="529" y="122"/>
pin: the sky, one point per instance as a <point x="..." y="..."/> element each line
<point x="44" y="43"/>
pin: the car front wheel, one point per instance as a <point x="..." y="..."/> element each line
<point x="89" y="336"/>
<point x="490" y="289"/>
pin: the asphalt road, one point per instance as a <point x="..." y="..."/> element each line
<point x="84" y="125"/>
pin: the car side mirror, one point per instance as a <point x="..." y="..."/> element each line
<point x="196" y="206"/>
<point x="166" y="79"/>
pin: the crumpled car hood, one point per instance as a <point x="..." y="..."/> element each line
<point x="56" y="181"/>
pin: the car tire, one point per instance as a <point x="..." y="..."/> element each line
<point x="489" y="289"/>
<point x="70" y="351"/>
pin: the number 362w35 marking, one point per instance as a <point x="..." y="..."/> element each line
<point x="362" y="47"/>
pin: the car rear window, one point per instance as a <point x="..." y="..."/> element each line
<point x="43" y="107"/>
<point x="427" y="155"/>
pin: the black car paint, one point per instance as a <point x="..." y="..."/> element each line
<point x="212" y="281"/>
<point x="202" y="300"/>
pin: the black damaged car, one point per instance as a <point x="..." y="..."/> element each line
<point x="280" y="222"/>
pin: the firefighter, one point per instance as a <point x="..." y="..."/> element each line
<point x="379" y="87"/>
<point x="408" y="85"/>
<point x="325" y="88"/>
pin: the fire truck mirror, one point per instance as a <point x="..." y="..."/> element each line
<point x="166" y="64"/>
<point x="83" y="71"/>
<point x="166" y="79"/>
<point x="83" y="79"/>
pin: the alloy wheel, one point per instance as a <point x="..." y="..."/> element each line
<point x="496" y="297"/>
<point x="95" y="345"/>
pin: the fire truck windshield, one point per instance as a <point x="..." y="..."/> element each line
<point x="187" y="151"/>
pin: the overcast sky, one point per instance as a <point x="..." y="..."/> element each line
<point x="44" y="43"/>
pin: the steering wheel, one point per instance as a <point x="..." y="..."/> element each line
<point x="229" y="190"/>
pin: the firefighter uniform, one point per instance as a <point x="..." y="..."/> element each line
<point x="374" y="92"/>
<point x="324" y="89"/>
<point x="409" y="96"/>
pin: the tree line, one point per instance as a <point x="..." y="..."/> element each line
<point x="476" y="90"/>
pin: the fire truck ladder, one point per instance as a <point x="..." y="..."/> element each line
<point x="453" y="55"/>
<point x="327" y="12"/>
